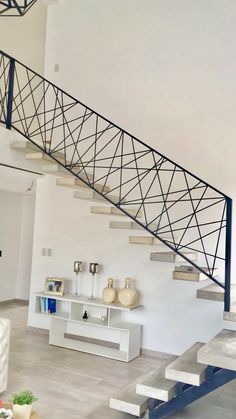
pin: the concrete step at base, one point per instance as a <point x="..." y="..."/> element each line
<point x="186" y="369"/>
<point x="146" y="240"/>
<point x="154" y="385"/>
<point x="214" y="292"/>
<point x="113" y="211"/>
<point x="172" y="257"/>
<point x="189" y="276"/>
<point x="220" y="351"/>
<point x="130" y="402"/>
<point x="73" y="182"/>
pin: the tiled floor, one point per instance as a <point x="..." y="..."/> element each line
<point x="74" y="385"/>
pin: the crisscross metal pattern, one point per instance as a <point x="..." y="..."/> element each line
<point x="180" y="209"/>
<point x="11" y="8"/>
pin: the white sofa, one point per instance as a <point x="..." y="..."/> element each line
<point x="5" y="327"/>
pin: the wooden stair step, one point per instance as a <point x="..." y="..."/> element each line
<point x="126" y="225"/>
<point x="130" y="402"/>
<point x="220" y="351"/>
<point x="154" y="385"/>
<point x="172" y="257"/>
<point x="73" y="182"/>
<point x="146" y="240"/>
<point x="113" y="211"/>
<point x="186" y="369"/>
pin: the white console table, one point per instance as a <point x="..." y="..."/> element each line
<point x="69" y="311"/>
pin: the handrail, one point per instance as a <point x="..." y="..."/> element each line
<point x="100" y="153"/>
<point x="14" y="8"/>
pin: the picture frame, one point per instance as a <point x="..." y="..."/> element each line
<point x="54" y="286"/>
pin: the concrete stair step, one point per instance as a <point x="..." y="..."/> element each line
<point x="186" y="369"/>
<point x="90" y="195"/>
<point x="24" y="146"/>
<point x="113" y="211"/>
<point x="74" y="183"/>
<point x="220" y="351"/>
<point x="154" y="385"/>
<point x="126" y="225"/>
<point x="130" y="402"/>
<point x="57" y="170"/>
<point x="214" y="292"/>
<point x="146" y="240"/>
<point x="43" y="158"/>
<point x="172" y="257"/>
<point x="189" y="276"/>
<point x="231" y="315"/>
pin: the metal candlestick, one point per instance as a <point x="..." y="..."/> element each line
<point x="93" y="269"/>
<point x="78" y="266"/>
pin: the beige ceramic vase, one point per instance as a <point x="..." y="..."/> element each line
<point x="109" y="293"/>
<point x="127" y="296"/>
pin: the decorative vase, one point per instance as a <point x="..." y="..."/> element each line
<point x="127" y="296"/>
<point x="109" y="293"/>
<point x="22" y="411"/>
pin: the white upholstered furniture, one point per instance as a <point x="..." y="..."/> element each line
<point x="4" y="352"/>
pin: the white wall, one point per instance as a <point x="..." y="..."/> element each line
<point x="25" y="247"/>
<point x="16" y="233"/>
<point x="24" y="38"/>
<point x="164" y="71"/>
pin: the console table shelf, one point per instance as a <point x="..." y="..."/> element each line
<point x="101" y="317"/>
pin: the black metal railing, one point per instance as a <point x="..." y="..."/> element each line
<point x="11" y="8"/>
<point x="184" y="212"/>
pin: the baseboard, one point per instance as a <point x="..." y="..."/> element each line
<point x="150" y="353"/>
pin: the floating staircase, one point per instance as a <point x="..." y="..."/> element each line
<point x="200" y="370"/>
<point x="158" y="195"/>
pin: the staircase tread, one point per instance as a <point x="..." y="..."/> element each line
<point x="129" y="225"/>
<point x="231" y="315"/>
<point x="91" y="195"/>
<point x="110" y="210"/>
<point x="156" y="386"/>
<point x="148" y="240"/>
<point x="220" y="351"/>
<point x="186" y="369"/>
<point x="129" y="402"/>
<point x="74" y="182"/>
<point x="214" y="292"/>
<point x="189" y="276"/>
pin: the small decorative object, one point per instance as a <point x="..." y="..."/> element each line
<point x="85" y="315"/>
<point x="109" y="293"/>
<point x="78" y="266"/>
<point x="127" y="296"/>
<point x="93" y="269"/>
<point x="54" y="286"/>
<point x="6" y="413"/>
<point x="22" y="404"/>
